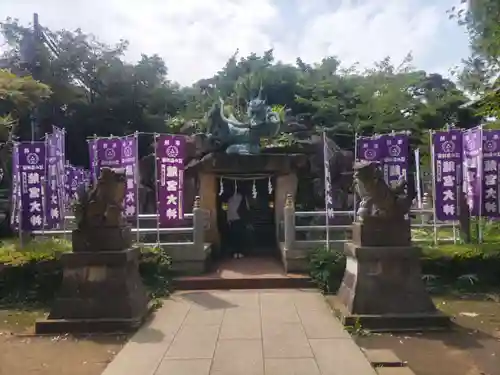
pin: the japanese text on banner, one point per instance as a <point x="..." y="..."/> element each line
<point x="170" y="153"/>
<point x="54" y="194"/>
<point x="447" y="152"/>
<point x="472" y="169"/>
<point x="129" y="162"/>
<point x="395" y="158"/>
<point x="16" y="188"/>
<point x="32" y="161"/>
<point x="491" y="172"/>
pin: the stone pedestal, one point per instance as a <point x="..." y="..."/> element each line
<point x="101" y="289"/>
<point x="382" y="288"/>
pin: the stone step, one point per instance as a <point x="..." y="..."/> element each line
<point x="383" y="358"/>
<point x="394" y="371"/>
<point x="214" y="283"/>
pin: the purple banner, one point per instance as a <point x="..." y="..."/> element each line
<point x="491" y="163"/>
<point x="75" y="176"/>
<point x="170" y="153"/>
<point x="105" y="152"/>
<point x="54" y="193"/>
<point x="16" y="188"/>
<point x="472" y="170"/>
<point x="370" y="148"/>
<point x="395" y="158"/>
<point x="32" y="160"/>
<point x="447" y="153"/>
<point x="129" y="162"/>
<point x="329" y="205"/>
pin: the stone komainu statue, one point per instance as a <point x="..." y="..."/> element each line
<point x="102" y="205"/>
<point x="377" y="198"/>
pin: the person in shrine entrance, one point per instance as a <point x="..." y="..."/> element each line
<point x="237" y="210"/>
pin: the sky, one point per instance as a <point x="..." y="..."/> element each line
<point x="196" y="37"/>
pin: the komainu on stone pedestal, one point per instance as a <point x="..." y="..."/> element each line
<point x="382" y="288"/>
<point x="101" y="288"/>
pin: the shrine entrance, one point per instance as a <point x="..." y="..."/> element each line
<point x="256" y="234"/>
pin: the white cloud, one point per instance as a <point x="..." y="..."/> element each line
<point x="195" y="37"/>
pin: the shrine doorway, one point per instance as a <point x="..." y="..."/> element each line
<point x="256" y="210"/>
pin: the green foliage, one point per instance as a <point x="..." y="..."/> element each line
<point x="32" y="274"/>
<point x="326" y="268"/>
<point x="156" y="271"/>
<point x="12" y="254"/>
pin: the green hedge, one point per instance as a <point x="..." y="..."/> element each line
<point x="459" y="265"/>
<point x="32" y="274"/>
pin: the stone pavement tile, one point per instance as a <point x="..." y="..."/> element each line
<point x="240" y="299"/>
<point x="339" y="357"/>
<point x="310" y="301"/>
<point x="144" y="351"/>
<point x="238" y="357"/>
<point x="205" y="300"/>
<point x="321" y="324"/>
<point x="278" y="308"/>
<point x="197" y="317"/>
<point x="194" y="342"/>
<point x="241" y="324"/>
<point x="291" y="366"/>
<point x="285" y="340"/>
<point x="184" y="367"/>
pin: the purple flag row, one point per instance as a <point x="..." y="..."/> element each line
<point x="39" y="197"/>
<point x="466" y="161"/>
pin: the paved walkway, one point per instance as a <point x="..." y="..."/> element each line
<point x="265" y="332"/>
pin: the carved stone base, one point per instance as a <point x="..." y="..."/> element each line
<point x="383" y="289"/>
<point x="100" y="291"/>
<point x="381" y="232"/>
<point x="101" y="239"/>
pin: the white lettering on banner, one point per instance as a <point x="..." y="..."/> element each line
<point x="448" y="166"/>
<point x="490" y="207"/>
<point x="171" y="213"/>
<point x="36" y="220"/>
<point x="33" y="178"/>
<point x="172" y="171"/>
<point x="449" y="181"/>
<point x="449" y="209"/>
<point x="35" y="206"/>
<point x="448" y="195"/>
<point x="172" y="185"/>
<point x="490" y="193"/>
<point x="490" y="180"/>
<point x="490" y="166"/>
<point x="34" y="192"/>
<point x="129" y="198"/>
<point x="171" y="199"/>
<point x="54" y="213"/>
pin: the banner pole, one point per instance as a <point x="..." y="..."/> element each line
<point x="480" y="168"/>
<point x="353" y="187"/>
<point x="326" y="168"/>
<point x="433" y="169"/>
<point x="136" y="177"/>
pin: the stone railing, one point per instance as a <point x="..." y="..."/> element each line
<point x="185" y="244"/>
